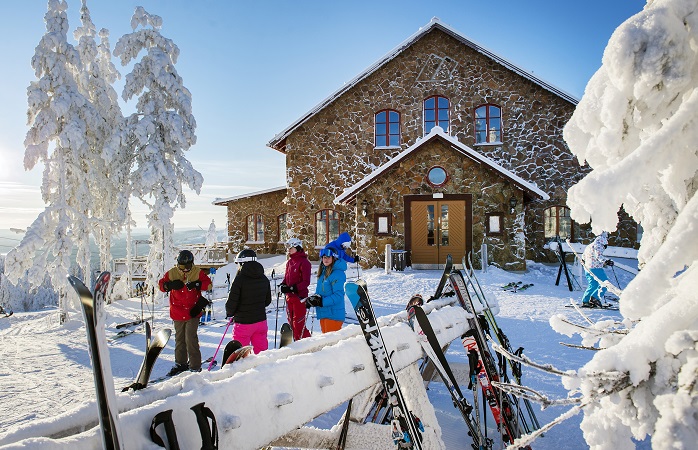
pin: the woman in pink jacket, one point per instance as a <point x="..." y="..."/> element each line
<point x="295" y="286"/>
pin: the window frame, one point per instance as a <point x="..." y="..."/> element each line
<point x="488" y="127"/>
<point x="448" y="177"/>
<point x="328" y="232"/>
<point x="436" y="109"/>
<point x="282" y="236"/>
<point x="257" y="219"/>
<point x="376" y="220"/>
<point x="388" y="134"/>
<point x="500" y="216"/>
<point x="557" y="209"/>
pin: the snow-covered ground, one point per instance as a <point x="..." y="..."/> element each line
<point x="46" y="368"/>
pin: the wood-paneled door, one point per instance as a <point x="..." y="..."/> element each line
<point x="438" y="227"/>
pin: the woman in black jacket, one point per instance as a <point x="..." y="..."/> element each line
<point x="249" y="296"/>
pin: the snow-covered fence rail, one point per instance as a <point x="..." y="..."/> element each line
<point x="259" y="399"/>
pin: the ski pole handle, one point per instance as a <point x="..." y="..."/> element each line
<point x="213" y="360"/>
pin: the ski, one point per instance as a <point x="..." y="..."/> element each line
<point x="430" y="344"/>
<point x="341" y="444"/>
<point x="122" y="334"/>
<point x="152" y="351"/>
<point x="444" y="278"/>
<point x="512" y="285"/>
<point x="92" y="309"/>
<point x="604" y="307"/>
<point x="406" y="433"/>
<point x="524" y="287"/>
<point x="504" y="342"/>
<point x="483" y="365"/>
<point x="167" y="377"/>
<point x="129" y="324"/>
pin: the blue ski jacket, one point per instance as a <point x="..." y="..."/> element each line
<point x="332" y="291"/>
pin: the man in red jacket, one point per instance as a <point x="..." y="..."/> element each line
<point x="185" y="282"/>
<point x="295" y="286"/>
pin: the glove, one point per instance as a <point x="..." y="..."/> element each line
<point x="173" y="285"/>
<point x="201" y="303"/>
<point x="194" y="285"/>
<point x="286" y="289"/>
<point x="356" y="258"/>
<point x="313" y="300"/>
<point x="609" y="262"/>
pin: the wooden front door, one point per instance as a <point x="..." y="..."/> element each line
<point x="438" y="227"/>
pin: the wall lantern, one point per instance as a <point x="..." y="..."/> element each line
<point x="512" y="203"/>
<point x="364" y="208"/>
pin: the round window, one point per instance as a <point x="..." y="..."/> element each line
<point x="437" y="176"/>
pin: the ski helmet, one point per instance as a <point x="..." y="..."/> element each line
<point x="294" y="242"/>
<point x="246" y="255"/>
<point x="185" y="260"/>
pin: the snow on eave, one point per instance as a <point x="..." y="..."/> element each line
<point x="224" y="201"/>
<point x="350" y="193"/>
<point x="433" y="23"/>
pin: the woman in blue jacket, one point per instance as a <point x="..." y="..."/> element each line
<point x="329" y="292"/>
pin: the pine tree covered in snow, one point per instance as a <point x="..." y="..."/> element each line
<point x="156" y="136"/>
<point x="637" y="127"/>
<point x="62" y="126"/>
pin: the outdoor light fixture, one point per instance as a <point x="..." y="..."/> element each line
<point x="364" y="208"/>
<point x="512" y="203"/>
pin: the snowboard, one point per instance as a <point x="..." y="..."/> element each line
<point x="152" y="351"/>
<point x="444" y="278"/>
<point x="286" y="335"/>
<point x="242" y="352"/>
<point x="92" y="309"/>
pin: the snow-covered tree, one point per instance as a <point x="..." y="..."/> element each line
<point x="95" y="81"/>
<point x="62" y="124"/>
<point x="637" y="127"/>
<point x="211" y="237"/>
<point x="158" y="133"/>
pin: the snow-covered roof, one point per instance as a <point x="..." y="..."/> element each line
<point x="224" y="201"/>
<point x="438" y="133"/>
<point x="434" y="23"/>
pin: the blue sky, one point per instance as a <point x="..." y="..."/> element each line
<point x="255" y="67"/>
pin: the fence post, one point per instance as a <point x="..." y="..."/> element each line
<point x="388" y="258"/>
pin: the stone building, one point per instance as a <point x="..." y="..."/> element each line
<point x="439" y="146"/>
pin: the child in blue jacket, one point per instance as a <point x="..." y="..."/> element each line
<point x="329" y="292"/>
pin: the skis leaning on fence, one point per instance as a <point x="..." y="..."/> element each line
<point x="483" y="366"/>
<point x="406" y="433"/>
<point x="503" y="340"/>
<point x="426" y="337"/>
<point x="92" y="309"/>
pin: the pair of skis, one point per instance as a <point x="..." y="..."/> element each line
<point x="503" y="341"/>
<point x="426" y="337"/>
<point x="406" y="428"/>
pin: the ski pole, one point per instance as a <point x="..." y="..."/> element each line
<point x="276" y="324"/>
<point x="213" y="360"/>
<point x="616" y="277"/>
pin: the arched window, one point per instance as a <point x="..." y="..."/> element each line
<point x="281" y="226"/>
<point x="387" y="128"/>
<point x="436" y="113"/>
<point x="488" y="124"/>
<point x="326" y="226"/>
<point x="558" y="222"/>
<point x="255" y="228"/>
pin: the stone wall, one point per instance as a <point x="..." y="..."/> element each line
<point x="270" y="205"/>
<point x="335" y="149"/>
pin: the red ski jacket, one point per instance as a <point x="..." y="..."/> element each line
<point x="297" y="274"/>
<point x="182" y="300"/>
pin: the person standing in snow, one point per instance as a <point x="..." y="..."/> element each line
<point x="594" y="263"/>
<point x="185" y="282"/>
<point x="249" y="296"/>
<point x="329" y="292"/>
<point x="295" y="286"/>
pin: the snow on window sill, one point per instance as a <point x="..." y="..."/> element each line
<point x="254" y="242"/>
<point x="483" y="144"/>
<point x="386" y="147"/>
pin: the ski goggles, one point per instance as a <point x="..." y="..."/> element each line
<point x="328" y="252"/>
<point x="185" y="267"/>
